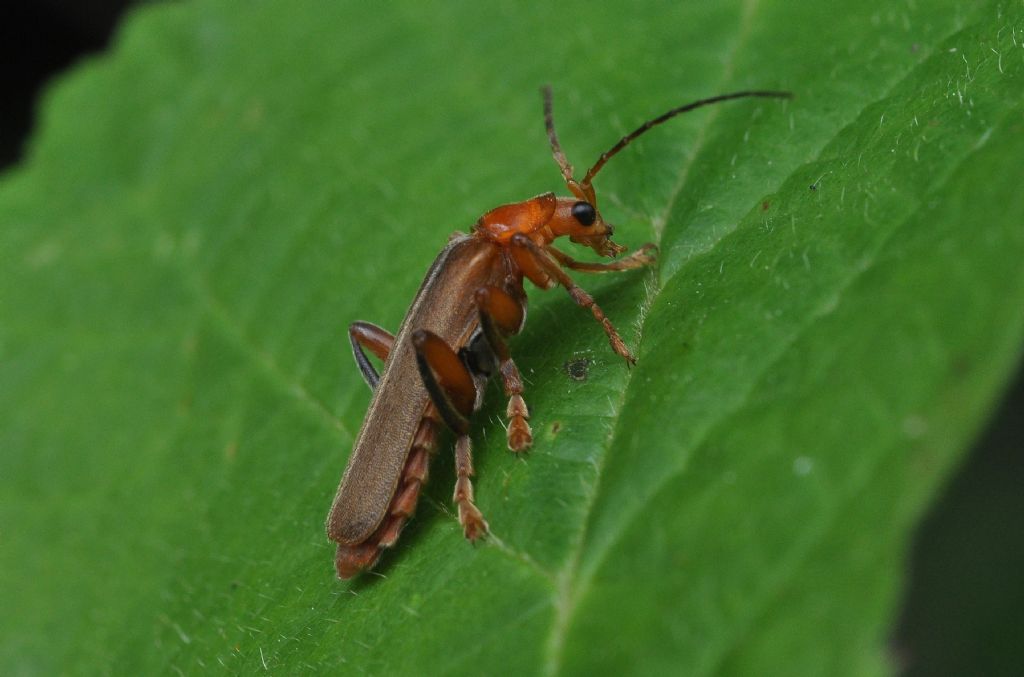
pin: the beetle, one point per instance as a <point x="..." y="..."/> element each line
<point x="454" y="338"/>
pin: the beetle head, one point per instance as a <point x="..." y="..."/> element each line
<point x="579" y="219"/>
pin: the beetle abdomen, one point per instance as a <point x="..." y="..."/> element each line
<point x="352" y="559"/>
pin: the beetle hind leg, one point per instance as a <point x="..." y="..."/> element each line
<point x="379" y="341"/>
<point x="474" y="526"/>
<point x="453" y="393"/>
<point x="446" y="378"/>
<point x="501" y="315"/>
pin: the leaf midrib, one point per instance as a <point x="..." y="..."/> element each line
<point x="575" y="584"/>
<point x="567" y="599"/>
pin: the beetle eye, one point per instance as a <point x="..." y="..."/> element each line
<point x="584" y="213"/>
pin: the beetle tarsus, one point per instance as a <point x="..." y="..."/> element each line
<point x="474" y="526"/>
<point x="645" y="256"/>
<point x="520" y="437"/>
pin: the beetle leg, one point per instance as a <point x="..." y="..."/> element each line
<point x="474" y="525"/>
<point x="502" y="315"/>
<point x="638" y="259"/>
<point x="584" y="300"/>
<point x="379" y="341"/>
<point x="453" y="393"/>
<point x="446" y="378"/>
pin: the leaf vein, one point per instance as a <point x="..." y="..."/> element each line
<point x="232" y="328"/>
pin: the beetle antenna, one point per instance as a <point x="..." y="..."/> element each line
<point x="556" y="148"/>
<point x="624" y="141"/>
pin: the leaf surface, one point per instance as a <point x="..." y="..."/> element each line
<point x="838" y="302"/>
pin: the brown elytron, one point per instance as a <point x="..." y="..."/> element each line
<point x="453" y="339"/>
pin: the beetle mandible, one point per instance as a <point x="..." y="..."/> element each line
<point x="453" y="339"/>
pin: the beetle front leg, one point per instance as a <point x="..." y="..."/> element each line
<point x="502" y="315"/>
<point x="379" y="341"/>
<point x="638" y="259"/>
<point x="549" y="265"/>
<point x="453" y="393"/>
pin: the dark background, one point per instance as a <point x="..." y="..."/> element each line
<point x="963" y="607"/>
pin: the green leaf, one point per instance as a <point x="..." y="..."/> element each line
<point x="207" y="208"/>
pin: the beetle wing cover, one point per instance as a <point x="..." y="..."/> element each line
<point x="445" y="306"/>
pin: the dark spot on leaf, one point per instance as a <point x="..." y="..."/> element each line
<point x="813" y="186"/>
<point x="578" y="369"/>
<point x="961" y="366"/>
<point x="765" y="205"/>
<point x="555" y="427"/>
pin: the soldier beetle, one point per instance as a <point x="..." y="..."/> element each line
<point x="453" y="339"/>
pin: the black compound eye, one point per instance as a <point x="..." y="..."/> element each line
<point x="584" y="213"/>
